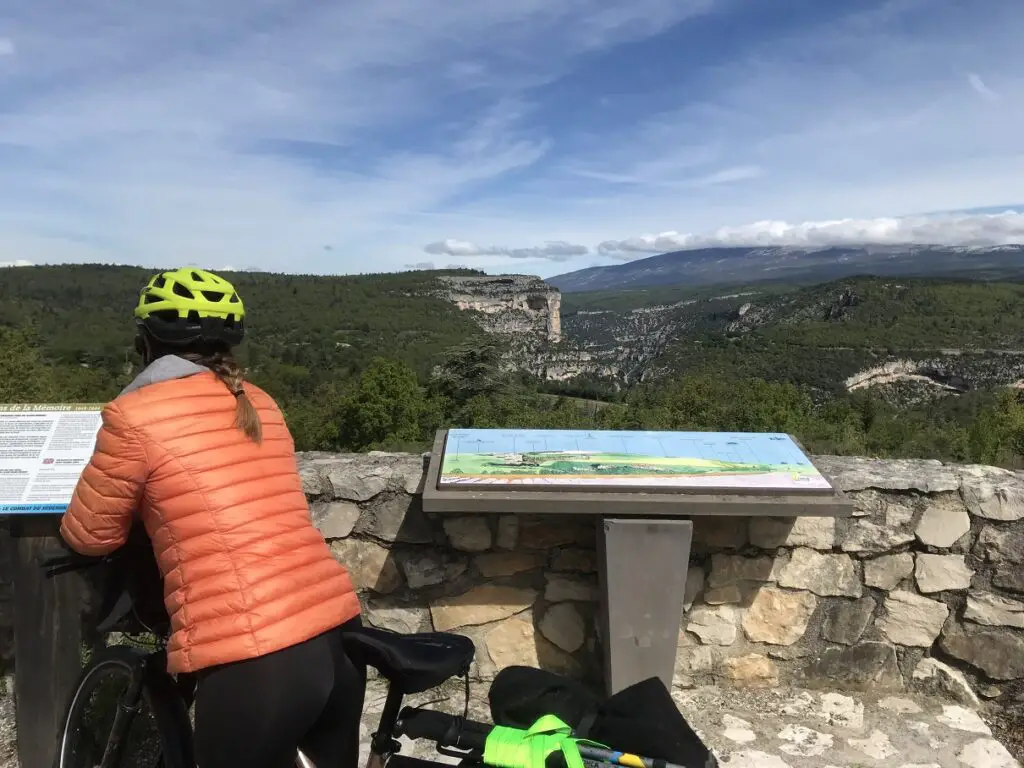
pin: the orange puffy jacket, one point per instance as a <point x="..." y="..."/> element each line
<point x="245" y="571"/>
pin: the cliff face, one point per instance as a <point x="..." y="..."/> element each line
<point x="509" y="304"/>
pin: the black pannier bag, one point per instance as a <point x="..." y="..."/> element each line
<point x="642" y="719"/>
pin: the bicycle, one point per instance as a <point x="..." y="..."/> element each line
<point x="411" y="663"/>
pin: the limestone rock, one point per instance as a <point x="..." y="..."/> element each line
<point x="778" y="617"/>
<point x="549" y="532"/>
<point x="694" y="585"/>
<point x="804" y="742"/>
<point x="887" y="571"/>
<point x="397" y="618"/>
<point x="313" y="482"/>
<point x="962" y="719"/>
<point x="413" y="474"/>
<point x="335" y="519"/>
<point x="939" y="573"/>
<point x="575" y="559"/>
<point x="752" y="671"/>
<point x="352" y="481"/>
<point x="774" y="532"/>
<point x="753" y="758"/>
<point x="481" y="605"/>
<point x="912" y="620"/>
<point x="516" y="643"/>
<point x="944" y="522"/>
<point x="470" y="533"/>
<point x="732" y="569"/>
<point x="992" y="493"/>
<point x="513" y="643"/>
<point x="994" y="611"/>
<point x="997" y="653"/>
<point x="508" y="532"/>
<point x="822" y="574"/>
<point x="1011" y="580"/>
<point x="867" y="535"/>
<point x="876" y="746"/>
<point x="398" y="518"/>
<point x="851" y="473"/>
<point x="737" y="730"/>
<point x="719" y="533"/>
<point x="998" y="546"/>
<point x="369" y="565"/>
<point x="867" y="666"/>
<point x="846" y="620"/>
<point x="841" y="710"/>
<point x="428" y="568"/>
<point x="935" y="676"/>
<point x="496" y="564"/>
<point x="986" y="753"/>
<point x="731" y="594"/>
<point x="714" y="626"/>
<point x="563" y="626"/>
<point x="697" y="660"/>
<point x="559" y="588"/>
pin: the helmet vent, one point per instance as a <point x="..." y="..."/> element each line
<point x="193" y="316"/>
<point x="181" y="290"/>
<point x="160" y="282"/>
<point x="197" y="277"/>
<point x="149" y="298"/>
<point x="212" y="295"/>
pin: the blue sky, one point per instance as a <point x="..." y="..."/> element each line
<point x="534" y="136"/>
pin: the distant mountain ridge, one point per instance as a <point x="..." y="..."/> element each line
<point x="790" y="264"/>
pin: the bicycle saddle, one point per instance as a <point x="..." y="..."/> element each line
<point x="414" y="662"/>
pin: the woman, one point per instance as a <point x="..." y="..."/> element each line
<point x="257" y="602"/>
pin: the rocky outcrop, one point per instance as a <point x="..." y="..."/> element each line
<point x="508" y="304"/>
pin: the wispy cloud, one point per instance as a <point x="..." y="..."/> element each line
<point x="979" y="86"/>
<point x="556" y="251"/>
<point x="337" y="135"/>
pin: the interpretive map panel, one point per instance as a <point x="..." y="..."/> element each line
<point x="43" y="450"/>
<point x="614" y="459"/>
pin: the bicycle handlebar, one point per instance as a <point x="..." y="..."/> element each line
<point x="442" y="728"/>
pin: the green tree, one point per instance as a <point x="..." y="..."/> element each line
<point x="387" y="408"/>
<point x="24" y="375"/>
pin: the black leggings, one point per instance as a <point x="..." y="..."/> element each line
<point x="255" y="713"/>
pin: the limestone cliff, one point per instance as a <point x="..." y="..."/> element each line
<point x="508" y="304"/>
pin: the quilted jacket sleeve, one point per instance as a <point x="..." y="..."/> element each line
<point x="100" y="515"/>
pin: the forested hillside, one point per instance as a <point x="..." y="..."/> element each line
<point x="380" y="362"/>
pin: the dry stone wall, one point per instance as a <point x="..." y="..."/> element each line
<point x="922" y="588"/>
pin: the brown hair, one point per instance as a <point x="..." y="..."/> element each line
<point x="227" y="369"/>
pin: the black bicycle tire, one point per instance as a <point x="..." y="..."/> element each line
<point x="166" y="706"/>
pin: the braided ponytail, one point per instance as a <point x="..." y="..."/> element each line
<point x="226" y="368"/>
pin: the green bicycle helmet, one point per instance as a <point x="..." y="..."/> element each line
<point x="189" y="305"/>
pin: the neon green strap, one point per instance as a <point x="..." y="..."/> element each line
<point x="516" y="748"/>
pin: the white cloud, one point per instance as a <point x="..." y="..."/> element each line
<point x="979" y="86"/>
<point x="950" y="229"/>
<point x="552" y="251"/>
<point x="7" y="47"/>
<point x="16" y="263"/>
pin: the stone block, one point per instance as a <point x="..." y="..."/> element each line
<point x="334" y="519"/>
<point x="480" y="605"/>
<point x="846" y="620"/>
<point x="469" y="533"/>
<point x="714" y="626"/>
<point x="752" y="671"/>
<point x="944" y="522"/>
<point x="992" y="493"/>
<point x="941" y="573"/>
<point x="867" y="666"/>
<point x="994" y="611"/>
<point x="563" y="625"/>
<point x="370" y="565"/>
<point x="997" y="653"/>
<point x="887" y="571"/>
<point x="774" y="532"/>
<point x="778" y="616"/>
<point x="822" y="574"/>
<point x="560" y="587"/>
<point x="912" y="620"/>
<point x="497" y="564"/>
